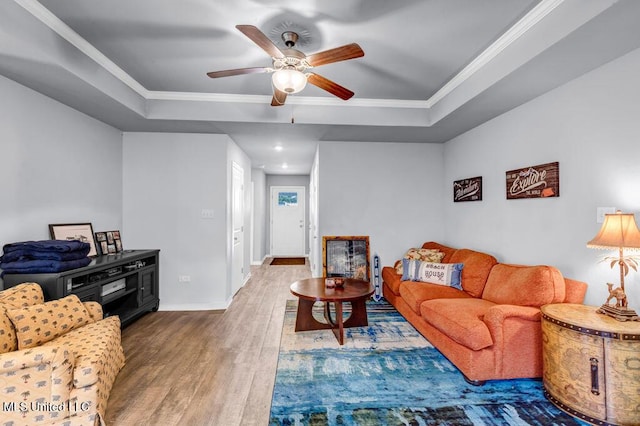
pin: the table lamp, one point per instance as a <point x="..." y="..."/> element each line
<point x="619" y="230"/>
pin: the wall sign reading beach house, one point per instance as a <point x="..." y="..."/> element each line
<point x="467" y="189"/>
<point x="540" y="181"/>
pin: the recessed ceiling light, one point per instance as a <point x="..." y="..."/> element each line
<point x="284" y="165"/>
<point x="278" y="148"/>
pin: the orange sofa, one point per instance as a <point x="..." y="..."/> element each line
<point x="491" y="328"/>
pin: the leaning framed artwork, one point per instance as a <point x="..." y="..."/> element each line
<point x="74" y="231"/>
<point x="346" y="256"/>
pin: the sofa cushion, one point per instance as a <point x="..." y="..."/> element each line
<point x="25" y="294"/>
<point x="447" y="274"/>
<point x="448" y="251"/>
<point x="477" y="267"/>
<point x="460" y="320"/>
<point x="422" y="254"/>
<point x="41" y="323"/>
<point x="414" y="293"/>
<point x="524" y="285"/>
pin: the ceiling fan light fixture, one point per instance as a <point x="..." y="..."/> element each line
<point x="289" y="80"/>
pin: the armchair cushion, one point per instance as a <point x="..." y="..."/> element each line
<point x="41" y="323"/>
<point x="94" y="309"/>
<point x="8" y="341"/>
<point x="26" y="294"/>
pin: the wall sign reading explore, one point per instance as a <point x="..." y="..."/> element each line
<point x="540" y="181"/>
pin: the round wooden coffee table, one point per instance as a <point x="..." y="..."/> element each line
<point x="313" y="290"/>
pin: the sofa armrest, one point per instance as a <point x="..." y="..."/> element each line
<point x="95" y="310"/>
<point x="575" y="291"/>
<point x="35" y="384"/>
<point x="391" y="278"/>
<point x="499" y="313"/>
<point x="517" y="336"/>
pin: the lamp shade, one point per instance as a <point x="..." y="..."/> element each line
<point x="618" y="230"/>
<point x="289" y="80"/>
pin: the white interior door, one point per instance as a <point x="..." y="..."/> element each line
<point x="237" y="221"/>
<point x="287" y="220"/>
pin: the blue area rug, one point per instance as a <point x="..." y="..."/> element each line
<point x="388" y="374"/>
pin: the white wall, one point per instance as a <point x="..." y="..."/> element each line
<point x="169" y="179"/>
<point x="591" y="126"/>
<point x="58" y="166"/>
<point x="391" y="192"/>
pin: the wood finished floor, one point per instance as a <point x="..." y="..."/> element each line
<point x="206" y="367"/>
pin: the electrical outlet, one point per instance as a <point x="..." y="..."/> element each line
<point x="184" y="278"/>
<point x="601" y="211"/>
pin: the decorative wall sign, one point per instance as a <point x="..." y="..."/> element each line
<point x="467" y="189"/>
<point x="540" y="181"/>
<point x="346" y="257"/>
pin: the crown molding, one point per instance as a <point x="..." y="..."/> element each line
<point x="294" y="100"/>
<point x="40" y="12"/>
<point x="534" y="16"/>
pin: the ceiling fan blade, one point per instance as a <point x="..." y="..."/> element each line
<point x="279" y="97"/>
<point x="239" y="71"/>
<point x="349" y="51"/>
<point x="261" y="40"/>
<point x="329" y="86"/>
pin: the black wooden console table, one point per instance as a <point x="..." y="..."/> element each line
<point x="125" y="284"/>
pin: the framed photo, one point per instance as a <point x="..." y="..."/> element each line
<point x="346" y="257"/>
<point x="74" y="231"/>
<point x="109" y="241"/>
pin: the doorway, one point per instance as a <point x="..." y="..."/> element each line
<point x="287" y="221"/>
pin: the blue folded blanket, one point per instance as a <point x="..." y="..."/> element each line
<point x="42" y="266"/>
<point x="57" y="246"/>
<point x="48" y="250"/>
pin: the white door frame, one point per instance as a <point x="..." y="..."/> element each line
<point x="237" y="227"/>
<point x="302" y="191"/>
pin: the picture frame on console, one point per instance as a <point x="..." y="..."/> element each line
<point x="74" y="231"/>
<point x="109" y="241"/>
<point x="346" y="256"/>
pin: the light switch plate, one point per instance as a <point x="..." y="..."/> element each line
<point x="207" y="213"/>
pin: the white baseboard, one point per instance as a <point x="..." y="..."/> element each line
<point x="214" y="306"/>
<point x="258" y="263"/>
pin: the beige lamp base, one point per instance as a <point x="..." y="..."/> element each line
<point x="620" y="314"/>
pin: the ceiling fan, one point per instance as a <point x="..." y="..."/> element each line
<point x="290" y="66"/>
